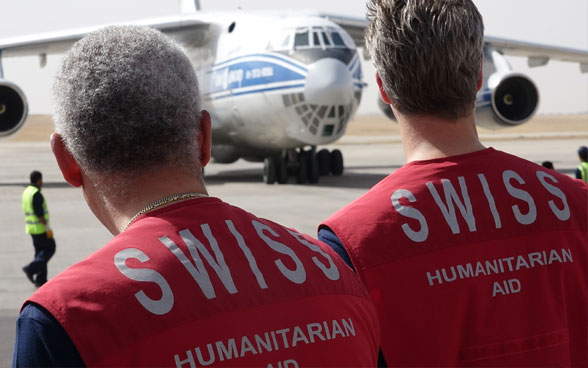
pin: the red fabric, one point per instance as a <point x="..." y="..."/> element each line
<point x="303" y="308"/>
<point x="453" y="295"/>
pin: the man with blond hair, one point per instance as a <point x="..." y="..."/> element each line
<point x="471" y="255"/>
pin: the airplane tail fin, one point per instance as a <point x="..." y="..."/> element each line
<point x="189" y="6"/>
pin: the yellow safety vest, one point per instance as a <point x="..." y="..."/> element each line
<point x="583" y="167"/>
<point x="32" y="223"/>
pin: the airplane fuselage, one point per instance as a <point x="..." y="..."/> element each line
<point x="277" y="84"/>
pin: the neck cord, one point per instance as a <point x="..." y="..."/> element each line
<point x="163" y="201"/>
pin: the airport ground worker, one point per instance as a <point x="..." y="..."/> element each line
<point x="471" y="255"/>
<point x="582" y="169"/>
<point x="548" y="165"/>
<point x="36" y="214"/>
<point x="188" y="280"/>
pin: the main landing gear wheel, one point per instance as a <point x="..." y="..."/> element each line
<point x="282" y="171"/>
<point x="306" y="166"/>
<point x="336" y="162"/>
<point x="313" y="167"/>
<point x="330" y="162"/>
<point x="270" y="168"/>
<point x="324" y="162"/>
<point x="302" y="171"/>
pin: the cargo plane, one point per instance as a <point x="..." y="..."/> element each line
<point x="280" y="84"/>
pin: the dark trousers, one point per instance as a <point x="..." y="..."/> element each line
<point x="44" y="250"/>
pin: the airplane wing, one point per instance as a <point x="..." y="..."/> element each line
<point x="355" y="26"/>
<point x="539" y="54"/>
<point x="183" y="28"/>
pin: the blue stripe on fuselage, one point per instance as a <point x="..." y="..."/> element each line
<point x="278" y="57"/>
<point x="252" y="73"/>
<point x="262" y="88"/>
<point x="484" y="96"/>
<point x="267" y="89"/>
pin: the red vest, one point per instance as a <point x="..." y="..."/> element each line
<point x="479" y="259"/>
<point x="202" y="283"/>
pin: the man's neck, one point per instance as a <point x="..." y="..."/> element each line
<point x="116" y="208"/>
<point x="427" y="137"/>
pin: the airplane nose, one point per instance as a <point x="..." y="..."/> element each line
<point x="328" y="82"/>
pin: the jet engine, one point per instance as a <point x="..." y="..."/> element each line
<point x="13" y="108"/>
<point x="224" y="153"/>
<point x="512" y="100"/>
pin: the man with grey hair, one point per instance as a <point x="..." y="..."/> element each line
<point x="188" y="280"/>
<point x="471" y="255"/>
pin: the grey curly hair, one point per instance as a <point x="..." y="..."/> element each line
<point x="427" y="53"/>
<point x="126" y="99"/>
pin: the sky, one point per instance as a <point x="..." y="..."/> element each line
<point x="562" y="88"/>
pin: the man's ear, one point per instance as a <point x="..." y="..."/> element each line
<point x="204" y="138"/>
<point x="382" y="92"/>
<point x="67" y="164"/>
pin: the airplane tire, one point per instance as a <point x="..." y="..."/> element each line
<point x="302" y="172"/>
<point x="269" y="170"/>
<point x="282" y="171"/>
<point x="313" y="168"/>
<point x="324" y="161"/>
<point x="336" y="162"/>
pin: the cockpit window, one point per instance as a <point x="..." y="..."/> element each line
<point x="326" y="39"/>
<point x="282" y="40"/>
<point x="301" y="38"/>
<point x="315" y="37"/>
<point x="310" y="37"/>
<point x="285" y="42"/>
<point x="337" y="40"/>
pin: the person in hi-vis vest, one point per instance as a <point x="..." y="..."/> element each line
<point x="582" y="169"/>
<point x="472" y="256"/>
<point x="188" y="280"/>
<point x="34" y="206"/>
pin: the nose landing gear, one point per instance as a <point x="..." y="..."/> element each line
<point x="306" y="166"/>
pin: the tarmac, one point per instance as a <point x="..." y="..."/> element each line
<point x="371" y="149"/>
